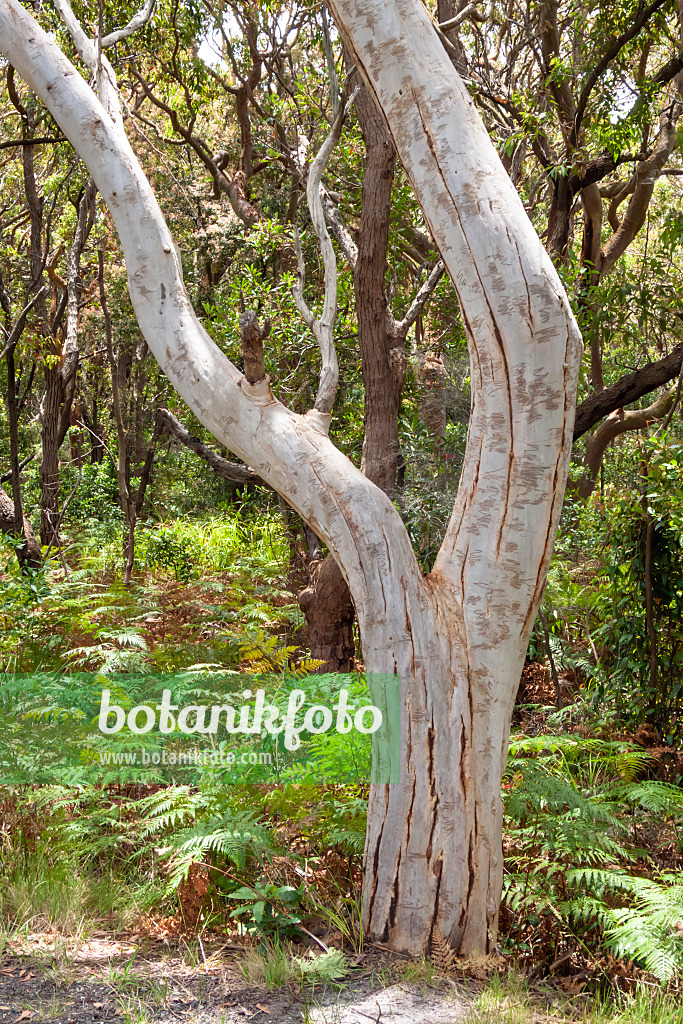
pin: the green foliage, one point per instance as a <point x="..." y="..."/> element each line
<point x="167" y="550"/>
<point x="571" y="803"/>
<point x="650" y="930"/>
<point x="596" y="597"/>
<point x="273" y="910"/>
<point x="95" y="501"/>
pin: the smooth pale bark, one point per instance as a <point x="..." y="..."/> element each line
<point x="435" y="841"/>
<point x="457" y="637"/>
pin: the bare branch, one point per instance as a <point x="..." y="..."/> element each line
<point x="641" y="186"/>
<point x="420" y="300"/>
<point x="84" y="225"/>
<point x="331" y="70"/>
<point x="339" y="229"/>
<point x="618" y="422"/>
<point x="30" y="142"/>
<point x="471" y="9"/>
<point x="298" y="289"/>
<point x="138" y="20"/>
<point x="322" y="328"/>
<point x="227" y="470"/>
<point x="628" y="389"/>
<point x="85" y="46"/>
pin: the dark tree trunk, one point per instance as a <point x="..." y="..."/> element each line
<point x="326" y="602"/>
<point x="381" y="350"/>
<point x="329" y="612"/>
<point x="29" y="554"/>
<point x="17" y="524"/>
<point x="49" y="466"/>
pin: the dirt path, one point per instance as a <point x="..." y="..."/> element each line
<point x="105" y="980"/>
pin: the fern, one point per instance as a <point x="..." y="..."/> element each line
<point x="650" y="931"/>
<point x="233" y="837"/>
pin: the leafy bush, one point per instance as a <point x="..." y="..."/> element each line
<point x="571" y="860"/>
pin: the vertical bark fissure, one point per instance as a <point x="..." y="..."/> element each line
<point x="438" y="873"/>
<point x="394" y="899"/>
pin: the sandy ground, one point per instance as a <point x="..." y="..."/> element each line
<point x="152" y="982"/>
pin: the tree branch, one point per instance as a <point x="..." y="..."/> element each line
<point x="138" y="20"/>
<point x="618" y="422"/>
<point x="612" y="51"/>
<point x="323" y="327"/>
<point x="44" y="141"/>
<point x="339" y="229"/>
<point x="421" y="299"/>
<point x="231" y="471"/>
<point x="627" y="390"/>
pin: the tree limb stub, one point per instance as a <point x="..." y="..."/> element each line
<point x="252" y="335"/>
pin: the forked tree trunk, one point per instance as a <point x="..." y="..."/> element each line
<point x="455" y="638"/>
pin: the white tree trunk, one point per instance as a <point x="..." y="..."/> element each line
<point x="457" y="637"/>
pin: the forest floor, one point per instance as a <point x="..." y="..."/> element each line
<point x="106" y="979"/>
<point x="245" y="619"/>
<point x="109" y="978"/>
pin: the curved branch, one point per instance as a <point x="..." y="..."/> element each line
<point x="323" y="327"/>
<point x="231" y="471"/>
<point x="339" y="229"/>
<point x="138" y="21"/>
<point x="628" y="389"/>
<point x="641" y="187"/>
<point x="619" y="422"/>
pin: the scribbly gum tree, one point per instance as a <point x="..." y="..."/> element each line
<point x="455" y="638"/>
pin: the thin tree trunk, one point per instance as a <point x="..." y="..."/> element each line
<point x="382" y="350"/>
<point x="649" y="596"/>
<point x="29" y="552"/>
<point x="326" y="602"/>
<point x="122" y="460"/>
<point x="135" y="507"/>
